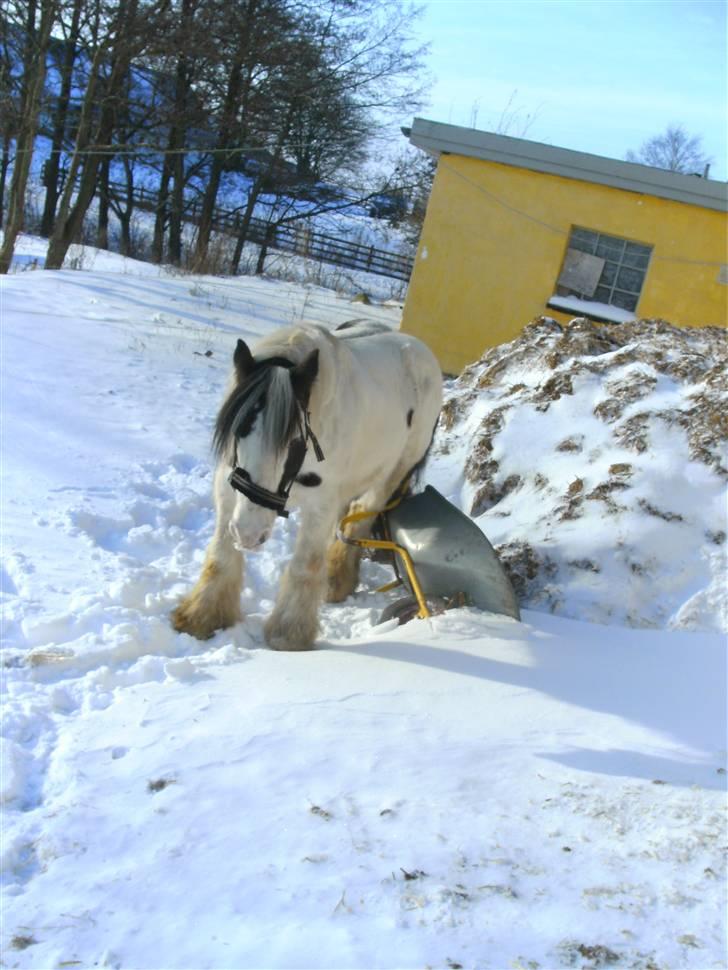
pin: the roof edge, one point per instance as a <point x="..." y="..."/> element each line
<point x="438" y="138"/>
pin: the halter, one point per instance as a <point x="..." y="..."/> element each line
<point x="276" y="501"/>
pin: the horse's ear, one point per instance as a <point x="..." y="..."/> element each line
<point x="303" y="376"/>
<point x="243" y="360"/>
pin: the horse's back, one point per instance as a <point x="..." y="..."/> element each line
<point x="400" y="356"/>
<point x="394" y="390"/>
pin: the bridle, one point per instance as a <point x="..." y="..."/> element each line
<point x="276" y="501"/>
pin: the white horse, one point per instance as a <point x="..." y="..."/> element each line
<point x="326" y="422"/>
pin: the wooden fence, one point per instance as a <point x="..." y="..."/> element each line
<point x="290" y="237"/>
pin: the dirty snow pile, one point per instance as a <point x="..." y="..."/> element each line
<point x="595" y="459"/>
<point x="468" y="791"/>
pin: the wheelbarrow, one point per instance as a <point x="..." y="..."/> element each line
<point x="439" y="555"/>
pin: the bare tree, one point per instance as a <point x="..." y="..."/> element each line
<point x="120" y="33"/>
<point x="9" y="102"/>
<point x="183" y="59"/>
<point x="40" y="17"/>
<point x="349" y="67"/>
<point x="411" y="181"/>
<point x="65" y="56"/>
<point x="252" y="46"/>
<point x="514" y="119"/>
<point x="674" y="150"/>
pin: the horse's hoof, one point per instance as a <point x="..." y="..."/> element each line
<point x="186" y="620"/>
<point x="286" y="645"/>
<point x="182" y="622"/>
<point x="277" y="639"/>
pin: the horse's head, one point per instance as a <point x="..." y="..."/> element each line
<point x="262" y="434"/>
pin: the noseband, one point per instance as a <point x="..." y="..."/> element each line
<point x="276" y="501"/>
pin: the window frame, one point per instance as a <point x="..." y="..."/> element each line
<point x="617" y="255"/>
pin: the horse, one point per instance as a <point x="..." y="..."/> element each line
<point x="324" y="421"/>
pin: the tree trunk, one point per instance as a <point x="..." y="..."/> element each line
<point x="30" y="113"/>
<point x="207" y="213"/>
<point x="59" y="124"/>
<point x="69" y="223"/>
<point x="4" y="165"/>
<point x="235" y="90"/>
<point x="160" y="218"/>
<point x="270" y="231"/>
<point x="102" y="232"/>
<point x="245" y="225"/>
<point x="71" y="213"/>
<point x="125" y="237"/>
<point x="254" y="194"/>
<point x="176" y="210"/>
<point x="124" y="209"/>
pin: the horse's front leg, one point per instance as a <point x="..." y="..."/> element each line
<point x="214" y="601"/>
<point x="293" y="624"/>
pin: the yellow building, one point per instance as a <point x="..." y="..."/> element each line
<point x="515" y="229"/>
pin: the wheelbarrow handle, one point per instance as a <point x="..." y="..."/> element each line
<point x="423" y="612"/>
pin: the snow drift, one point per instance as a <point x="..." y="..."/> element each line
<point x="594" y="458"/>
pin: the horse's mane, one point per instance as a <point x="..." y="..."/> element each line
<point x="267" y="388"/>
<point x="266" y="391"/>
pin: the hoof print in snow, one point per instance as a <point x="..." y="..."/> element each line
<point x="321" y="812"/>
<point x="598" y="955"/>
<point x="159" y="785"/>
<point x="22" y="942"/>
<point x="415" y="874"/>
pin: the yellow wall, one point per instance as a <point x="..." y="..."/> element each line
<point x="495" y="237"/>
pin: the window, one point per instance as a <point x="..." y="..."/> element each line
<point x="603" y="269"/>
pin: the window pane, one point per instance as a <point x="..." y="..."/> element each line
<point x="609" y="274"/>
<point x="630" y="279"/>
<point x="582" y="244"/>
<point x="638" y="260"/>
<point x="624" y="270"/>
<point x="628" y="301"/>
<point x="638" y="248"/>
<point x="610" y="248"/>
<point x="584" y="236"/>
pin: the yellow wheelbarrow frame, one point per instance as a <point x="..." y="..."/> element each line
<point x="445" y="555"/>
<point x="423" y="611"/>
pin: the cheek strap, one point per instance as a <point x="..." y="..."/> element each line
<point x="276" y="501"/>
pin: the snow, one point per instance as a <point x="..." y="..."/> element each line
<point x="594" y="459"/>
<point x="464" y="791"/>
<point x="591" y="308"/>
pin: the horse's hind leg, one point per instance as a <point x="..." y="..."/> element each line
<point x="214" y="601"/>
<point x="343" y="559"/>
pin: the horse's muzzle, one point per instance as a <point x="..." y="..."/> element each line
<point x="245" y="543"/>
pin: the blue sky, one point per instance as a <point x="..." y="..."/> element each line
<point x="594" y="75"/>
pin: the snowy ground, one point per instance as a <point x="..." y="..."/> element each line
<point x="462" y="792"/>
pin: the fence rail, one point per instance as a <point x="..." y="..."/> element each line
<point x="290" y="237"/>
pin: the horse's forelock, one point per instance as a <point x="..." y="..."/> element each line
<point x="265" y="394"/>
<point x="280" y="416"/>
